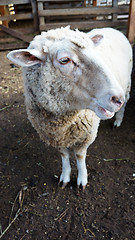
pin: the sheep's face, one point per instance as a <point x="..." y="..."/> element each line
<point x="72" y="74"/>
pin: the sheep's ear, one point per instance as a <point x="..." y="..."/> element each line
<point x="25" y="57"/>
<point x="96" y="39"/>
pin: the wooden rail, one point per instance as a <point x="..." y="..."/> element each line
<point x="85" y="25"/>
<point x="17" y="16"/>
<point x="83" y="11"/>
<point x="7" y="2"/>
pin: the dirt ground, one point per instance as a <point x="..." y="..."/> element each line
<point x="33" y="206"/>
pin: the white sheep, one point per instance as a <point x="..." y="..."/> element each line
<point x="71" y="81"/>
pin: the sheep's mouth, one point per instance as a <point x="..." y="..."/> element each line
<point x="105" y="112"/>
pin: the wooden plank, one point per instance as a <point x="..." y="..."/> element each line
<point x="85" y="25"/>
<point x="15" y="34"/>
<point x="7" y="2"/>
<point x="8" y="46"/>
<point x="17" y="16"/>
<point x="82" y="11"/>
<point x="131" y="23"/>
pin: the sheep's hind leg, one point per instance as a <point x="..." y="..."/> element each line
<point x="66" y="168"/>
<point x="120" y="114"/>
<point x="81" y="166"/>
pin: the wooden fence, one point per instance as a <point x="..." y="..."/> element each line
<point x="83" y="17"/>
<point x="25" y="11"/>
<point x="31" y="15"/>
<point x="48" y="14"/>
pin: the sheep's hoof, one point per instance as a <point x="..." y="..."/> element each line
<point x="117" y="123"/>
<point x="62" y="184"/>
<point x="83" y="187"/>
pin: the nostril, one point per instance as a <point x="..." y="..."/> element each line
<point x="116" y="100"/>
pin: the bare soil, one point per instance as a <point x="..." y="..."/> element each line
<point x="33" y="206"/>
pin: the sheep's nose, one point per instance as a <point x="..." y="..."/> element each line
<point x="117" y="101"/>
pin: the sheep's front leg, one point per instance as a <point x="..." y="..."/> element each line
<point x="81" y="166"/>
<point x="66" y="168"/>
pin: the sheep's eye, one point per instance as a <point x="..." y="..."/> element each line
<point x="64" y="60"/>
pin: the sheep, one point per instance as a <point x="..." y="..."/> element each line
<point x="72" y="80"/>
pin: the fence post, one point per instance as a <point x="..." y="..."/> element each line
<point x="115" y="4"/>
<point x="131" y="22"/>
<point x="35" y="15"/>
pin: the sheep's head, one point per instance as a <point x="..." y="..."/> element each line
<point x="82" y="79"/>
